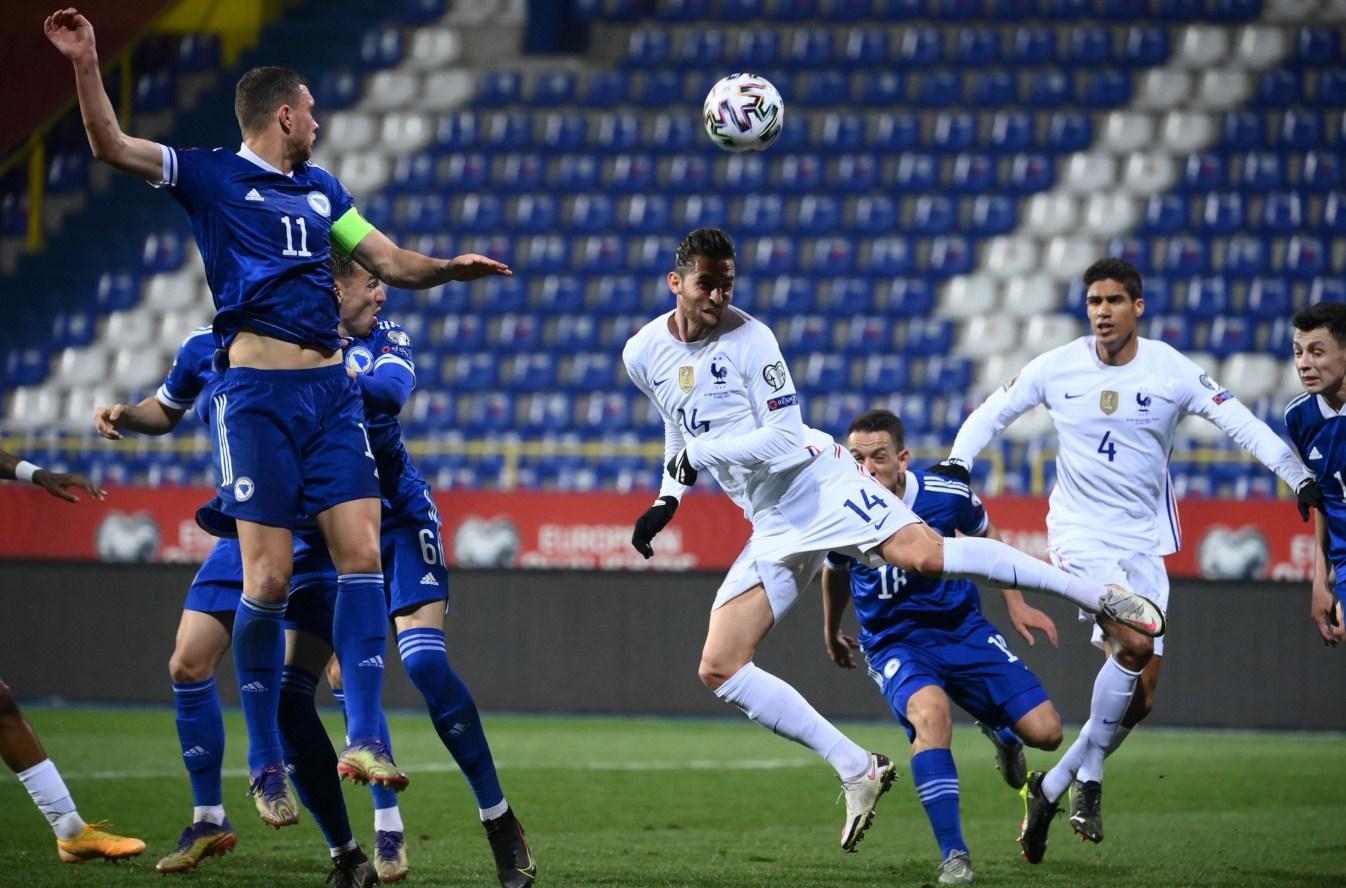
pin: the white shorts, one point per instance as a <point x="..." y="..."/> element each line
<point x="1141" y="573"/>
<point x="832" y="505"/>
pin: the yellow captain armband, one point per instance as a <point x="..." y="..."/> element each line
<point x="349" y="230"/>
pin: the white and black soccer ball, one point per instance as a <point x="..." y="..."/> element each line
<point x="743" y="112"/>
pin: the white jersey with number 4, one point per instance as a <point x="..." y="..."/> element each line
<point x="1115" y="426"/>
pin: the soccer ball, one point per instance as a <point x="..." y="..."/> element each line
<point x="743" y="112"/>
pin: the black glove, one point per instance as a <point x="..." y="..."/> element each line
<point x="952" y="468"/>
<point x="1310" y="497"/>
<point x="681" y="470"/>
<point x="655" y="519"/>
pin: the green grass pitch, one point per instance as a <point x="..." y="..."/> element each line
<point x="667" y="802"/>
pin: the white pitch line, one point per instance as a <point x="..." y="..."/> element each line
<point x="450" y="768"/>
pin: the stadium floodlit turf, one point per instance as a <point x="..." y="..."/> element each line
<point x="655" y="802"/>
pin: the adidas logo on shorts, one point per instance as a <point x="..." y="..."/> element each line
<point x="428" y="579"/>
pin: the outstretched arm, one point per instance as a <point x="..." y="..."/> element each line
<point x="993" y="415"/>
<point x="72" y="35"/>
<point x="413" y="271"/>
<point x="55" y="483"/>
<point x="150" y="417"/>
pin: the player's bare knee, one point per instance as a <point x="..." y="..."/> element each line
<point x="186" y="669"/>
<point x="267" y="585"/>
<point x="715" y="671"/>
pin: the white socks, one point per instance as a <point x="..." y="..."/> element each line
<point x="45" y="785"/>
<point x="1113" y="689"/>
<point x="388" y="819"/>
<point x="781" y="709"/>
<point x="496" y="810"/>
<point x="208" y="814"/>
<point x="977" y="558"/>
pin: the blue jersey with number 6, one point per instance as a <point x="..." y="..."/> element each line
<point x="1319" y="434"/>
<point x="892" y="603"/>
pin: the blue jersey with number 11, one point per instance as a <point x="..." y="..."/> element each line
<point x="1319" y="434"/>
<point x="892" y="603"/>
<point x="266" y="239"/>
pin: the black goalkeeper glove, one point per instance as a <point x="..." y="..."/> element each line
<point x="655" y="519"/>
<point x="680" y="470"/>
<point x="952" y="468"/>
<point x="1310" y="497"/>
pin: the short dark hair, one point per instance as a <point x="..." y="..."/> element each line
<point x="261" y="91"/>
<point x="880" y="420"/>
<point x="343" y="266"/>
<point x="1331" y="315"/>
<point x="1119" y="270"/>
<point x="709" y="242"/>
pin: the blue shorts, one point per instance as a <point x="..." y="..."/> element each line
<point x="414" y="572"/>
<point x="313" y="588"/>
<point x="971" y="663"/>
<point x="289" y="443"/>
<point x="218" y="585"/>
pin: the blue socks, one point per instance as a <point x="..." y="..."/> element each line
<point x="359" y="634"/>
<point x="310" y="759"/>
<point x="201" y="734"/>
<point x="936" y="779"/>
<point x="452" y="710"/>
<point x="259" y="653"/>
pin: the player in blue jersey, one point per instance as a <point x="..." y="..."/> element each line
<point x="1313" y="421"/>
<point x="204" y="634"/>
<point x="927" y="642"/>
<point x="288" y="425"/>
<point x="20" y="748"/>
<point x="379" y="358"/>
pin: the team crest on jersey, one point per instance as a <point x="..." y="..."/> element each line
<point x="321" y="205"/>
<point x="360" y="359"/>
<point x="1107" y="402"/>
<point x="686" y="379"/>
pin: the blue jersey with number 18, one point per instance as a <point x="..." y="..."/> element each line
<point x="1319" y="434"/>
<point x="891" y="603"/>
<point x="266" y="239"/>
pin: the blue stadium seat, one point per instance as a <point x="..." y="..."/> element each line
<point x="795" y="10"/>
<point x="458" y="332"/>
<point x="893" y="133"/>
<point x="810" y="48"/>
<point x="1010" y="131"/>
<point x="620" y="294"/>
<point x="868" y="335"/>
<point x="649" y="48"/>
<point x="163" y="251"/>
<point x="517" y="333"/>
<point x="857" y="173"/>
<point x="1207" y="297"/>
<point x="427" y="213"/>
<point x="844" y="296"/>
<point x="1105" y="88"/>
<point x="336" y="89"/>
<point x="1300" y="128"/>
<point x="973" y="173"/>
<point x="651" y="255"/>
<point x="822" y="372"/>
<point x="463" y="172"/>
<point x="1135" y="250"/>
<point x="686" y="172"/>
<point x="1330" y="90"/>
<point x="744" y="173"/>
<point x="944" y="374"/>
<point x="1233" y="10"/>
<point x="1316" y="47"/>
<point x="1279" y="88"/>
<point x="669" y="133"/>
<point x="381" y="48"/>
<point x="589" y="213"/>
<point x="1068" y="131"/>
<point x="530" y="372"/>
<point x="629" y="173"/>
<point x="701" y="48"/>
<point x="920" y="48"/>
<point x="471" y="372"/>
<point x="882" y="89"/>
<point x="1244" y="131"/>
<point x="645" y="213"/>
<point x="656" y="89"/>
<point x="928" y="337"/>
<point x="573" y="332"/>
<point x="521" y="172"/>
<point x="841" y="132"/>
<point x="1173" y="329"/>
<point x="1066" y="10"/>
<point x="936" y="88"/>
<point x="1184" y="255"/>
<point x="1086" y="46"/>
<point x="955" y="131"/>
<point x="770" y="255"/>
<point x="1327" y="289"/>
<point x="1030" y="173"/>
<point x="817" y="215"/>
<point x="1049" y="87"/>
<point x="916" y="172"/>
<point x="890" y="256"/>
<point x="757" y="214"/>
<point x="865" y="48"/>
<point x="1229" y="336"/>
<point x="414" y="172"/>
<point x="201" y="52"/>
<point x="488" y="412"/>
<point x="951" y="255"/>
<point x="874" y="214"/>
<point x="506" y="130"/>
<point x="1246" y="256"/>
<point x="378" y="210"/>
<point x="1305" y="256"/>
<point x="807" y="333"/>
<point x="1222" y="212"/>
<point x="604" y="89"/>
<point x="787" y="295"/>
<point x="742" y="10"/>
<point x="1333" y="221"/>
<point x="1205" y="171"/>
<point x="1282" y="213"/>
<point x="933" y="214"/>
<point x="561" y="132"/>
<point x="71" y="329"/>
<point x="553" y="88"/>
<point x="992" y="214"/>
<point x="910" y="297"/>
<point x="797" y="172"/>
<point x="1269" y="298"/>
<point x="68" y="172"/>
<point x="1279" y="334"/>
<point x="834" y="413"/>
<point x="700" y="210"/>
<point x="1321" y="170"/>
<point x="155" y="91"/>
<point x="531" y="213"/>
<point x="883" y="375"/>
<point x="975" y="47"/>
<point x="756" y="48"/>
<point x="616" y="133"/>
<point x="1262" y="170"/>
<point x="602" y="254"/>
<point x="1032" y="46"/>
<point x="835" y="255"/>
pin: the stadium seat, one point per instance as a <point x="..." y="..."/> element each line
<point x="1229" y="336"/>
<point x="1278" y="88"/>
<point x="1127" y="131"/>
<point x="1052" y="88"/>
<point x="1108" y="215"/>
<point x="919" y="48"/>
<point x="559" y="132"/>
<point x="1135" y="250"/>
<point x="88" y="366"/>
<point x="1246" y="256"/>
<point x="865" y="48"/>
<point x="881" y="90"/>
<point x="1090" y="172"/>
<point x="973" y="173"/>
<point x="866" y="335"/>
<point x="967" y="296"/>
<point x="935" y="88"/>
<point x="994" y="214"/>
<point x="1030" y="295"/>
<point x="1222" y="89"/>
<point x="1202" y="46"/>
<point x="1085" y="45"/>
<point x="1011" y="131"/>
<point x="916" y="172"/>
<point x="758" y="214"/>
<point x="1321" y="170"/>
<point x="1172" y="329"/>
<point x="388" y="90"/>
<point x="1068" y="131"/>
<point x="1243" y="131"/>
<point x="885" y="374"/>
<point x="1031" y="46"/>
<point x="1010" y="256"/>
<point x="1051" y="212"/>
<point x="984" y="335"/>
<point x="1259" y="46"/>
<point x="1066" y="258"/>
<point x="348" y="131"/>
<point x="1184" y="255"/>
<point x="364" y="172"/>
<point x="1184" y="132"/>
<point x="1207" y="297"/>
<point x="1300" y="129"/>
<point x="1205" y="171"/>
<point x="1042" y="333"/>
<point x="1269" y="298"/>
<point x="1030" y="173"/>
<point x="1222" y="212"/>
<point x="975" y="47"/>
<point x="1282" y="213"/>
<point x="1149" y="172"/>
<point x="910" y="297"/>
<point x="1250" y="376"/>
<point x="1316" y="47"/>
<point x="433" y="49"/>
<point x="992" y="88"/>
<point x="1163" y="88"/>
<point x="1145" y="46"/>
<point x="1305" y="257"/>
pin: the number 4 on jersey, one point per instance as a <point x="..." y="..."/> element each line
<point x="1107" y="448"/>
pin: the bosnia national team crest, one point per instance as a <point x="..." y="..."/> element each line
<point x="360" y="359"/>
<point x="1107" y="402"/>
<point x="686" y="379"/>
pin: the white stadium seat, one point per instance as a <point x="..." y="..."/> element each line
<point x="387" y="90"/>
<point x="33" y="407"/>
<point x="1088" y="171"/>
<point x="1334" y="11"/>
<point x="986" y="335"/>
<point x="1287" y="382"/>
<point x="1051" y="212"/>
<point x="997" y="370"/>
<point x="1259" y="46"/>
<point x="1290" y="12"/>
<point x="175" y="326"/>
<point x="1221" y="89"/>
<point x="347" y="131"/>
<point x="79" y="402"/>
<point x="1045" y="332"/>
<point x="473" y="12"/>
<point x="137" y="369"/>
<point x="129" y="328"/>
<point x="1031" y="295"/>
<point x="1066" y="258"/>
<point x="364" y="173"/>
<point x="968" y="295"/>
<point x="406" y="132"/>
<point x="1163" y="88"/>
<point x="1250" y="376"/>
<point x="81" y="366"/>
<point x="1010" y="256"/>
<point x="1184" y="132"/>
<point x="1202" y="46"/>
<point x="173" y="290"/>
<point x="1108" y="215"/>
<point x="1127" y="131"/>
<point x="445" y="90"/>
<point x="434" y="48"/>
<point x="1149" y="172"/>
<point x="1034" y="425"/>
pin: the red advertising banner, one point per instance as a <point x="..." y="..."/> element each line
<point x="1225" y="539"/>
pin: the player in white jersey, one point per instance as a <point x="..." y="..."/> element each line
<point x="730" y="408"/>
<point x="1116" y="400"/>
